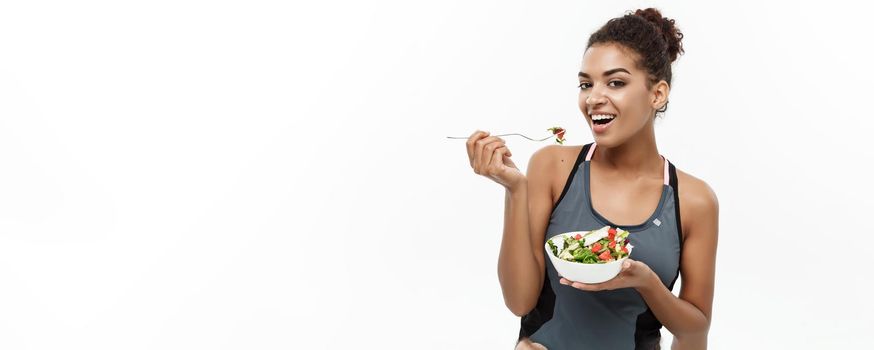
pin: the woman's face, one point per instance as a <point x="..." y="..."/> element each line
<point x="610" y="84"/>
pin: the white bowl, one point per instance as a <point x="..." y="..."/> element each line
<point x="580" y="272"/>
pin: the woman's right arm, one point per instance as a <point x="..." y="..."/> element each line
<point x="526" y="214"/>
<point x="527" y="206"/>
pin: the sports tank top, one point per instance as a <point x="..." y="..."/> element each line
<point x="568" y="318"/>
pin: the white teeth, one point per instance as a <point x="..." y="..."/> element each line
<point x="602" y="116"/>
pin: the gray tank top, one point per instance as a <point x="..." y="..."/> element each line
<point x="568" y="318"/>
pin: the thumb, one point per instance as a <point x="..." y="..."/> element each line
<point x="509" y="162"/>
<point x="627" y="265"/>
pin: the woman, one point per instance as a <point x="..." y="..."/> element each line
<point x="619" y="180"/>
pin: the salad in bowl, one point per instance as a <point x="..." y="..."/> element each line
<point x="589" y="256"/>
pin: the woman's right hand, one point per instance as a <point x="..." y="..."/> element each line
<point x="526" y="344"/>
<point x="490" y="157"/>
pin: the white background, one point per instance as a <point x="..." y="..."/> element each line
<point x="273" y="175"/>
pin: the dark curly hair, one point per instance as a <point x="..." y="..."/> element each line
<point x="653" y="38"/>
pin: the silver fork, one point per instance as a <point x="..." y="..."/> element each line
<point x="467" y="137"/>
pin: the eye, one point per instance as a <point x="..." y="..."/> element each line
<point x="586" y="85"/>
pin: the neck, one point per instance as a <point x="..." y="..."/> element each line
<point x="636" y="156"/>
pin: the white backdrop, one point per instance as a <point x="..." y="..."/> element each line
<point x="266" y="175"/>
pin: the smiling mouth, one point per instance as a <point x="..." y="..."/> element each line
<point x="602" y="119"/>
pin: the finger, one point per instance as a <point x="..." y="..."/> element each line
<point x="489" y="145"/>
<point x="629" y="267"/>
<point x="578" y="285"/>
<point x="509" y="154"/>
<point x="590" y="287"/>
<point x="485" y="147"/>
<point x="497" y="161"/>
<point x="624" y="267"/>
<point x="508" y="161"/>
<point x="478" y="152"/>
<point x="471" y="143"/>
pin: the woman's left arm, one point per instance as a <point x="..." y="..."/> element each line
<point x="688" y="317"/>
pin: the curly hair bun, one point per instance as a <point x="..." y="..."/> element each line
<point x="672" y="35"/>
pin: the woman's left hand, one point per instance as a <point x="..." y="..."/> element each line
<point x="634" y="274"/>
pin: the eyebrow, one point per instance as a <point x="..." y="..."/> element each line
<point x="606" y="73"/>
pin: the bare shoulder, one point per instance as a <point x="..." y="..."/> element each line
<point x="541" y="166"/>
<point x="557" y="154"/>
<point x="696" y="191"/>
<point x="548" y="152"/>
<point x="549" y="158"/>
<point x="698" y="201"/>
<point x="551" y="164"/>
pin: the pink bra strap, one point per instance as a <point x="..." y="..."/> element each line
<point x="591" y="151"/>
<point x="666" y="170"/>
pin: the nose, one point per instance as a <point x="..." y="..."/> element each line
<point x="595" y="98"/>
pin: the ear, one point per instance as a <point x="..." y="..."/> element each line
<point x="660" y="93"/>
